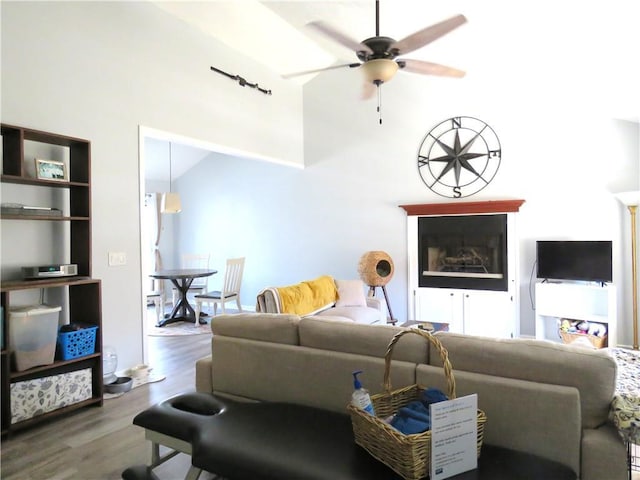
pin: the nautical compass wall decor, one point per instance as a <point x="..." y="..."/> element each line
<point x="459" y="157"/>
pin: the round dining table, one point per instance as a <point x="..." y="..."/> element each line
<point x="182" y="278"/>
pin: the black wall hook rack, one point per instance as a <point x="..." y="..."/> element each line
<point x="241" y="81"/>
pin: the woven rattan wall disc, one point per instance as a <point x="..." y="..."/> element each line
<point x="375" y="268"/>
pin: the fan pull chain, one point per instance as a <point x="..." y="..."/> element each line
<point x="379" y="104"/>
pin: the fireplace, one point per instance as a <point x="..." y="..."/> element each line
<point x="463" y="251"/>
<point x="462" y="266"/>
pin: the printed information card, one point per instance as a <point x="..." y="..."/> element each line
<point x="454" y="436"/>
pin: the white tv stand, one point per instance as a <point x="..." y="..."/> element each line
<point x="577" y="301"/>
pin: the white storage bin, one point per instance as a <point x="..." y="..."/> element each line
<point x="33" y="332"/>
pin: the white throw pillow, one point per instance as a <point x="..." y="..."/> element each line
<point x="350" y="293"/>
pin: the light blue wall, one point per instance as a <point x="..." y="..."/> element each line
<point x="291" y="224"/>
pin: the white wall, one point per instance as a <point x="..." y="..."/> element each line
<point x="98" y="70"/>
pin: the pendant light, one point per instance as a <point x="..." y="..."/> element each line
<point x="171" y="200"/>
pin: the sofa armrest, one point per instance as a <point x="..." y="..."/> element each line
<point x="604" y="454"/>
<point x="204" y="374"/>
<point x="268" y="301"/>
<point x="374" y="302"/>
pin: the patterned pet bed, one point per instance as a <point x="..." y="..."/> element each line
<point x="625" y="407"/>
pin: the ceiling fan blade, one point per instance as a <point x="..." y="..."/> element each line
<point x="427" y="35"/>
<point x="429" y="68"/>
<point x="368" y="89"/>
<point x="308" y="72"/>
<point x="339" y="37"/>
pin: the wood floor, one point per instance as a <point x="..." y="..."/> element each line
<point x="100" y="442"/>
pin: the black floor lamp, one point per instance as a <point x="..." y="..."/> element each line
<point x="376" y="270"/>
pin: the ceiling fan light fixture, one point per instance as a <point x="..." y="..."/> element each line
<point x="380" y="70"/>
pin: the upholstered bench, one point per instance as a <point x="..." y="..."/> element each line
<point x="174" y="423"/>
<point x="281" y="441"/>
<point x="255" y="441"/>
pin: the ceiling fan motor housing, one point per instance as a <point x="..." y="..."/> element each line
<point x="380" y="48"/>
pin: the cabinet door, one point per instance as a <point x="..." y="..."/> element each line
<point x="490" y="314"/>
<point x="440" y="305"/>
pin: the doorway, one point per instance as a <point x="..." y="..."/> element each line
<point x="157" y="151"/>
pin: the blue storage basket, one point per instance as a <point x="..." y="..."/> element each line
<point x="77" y="343"/>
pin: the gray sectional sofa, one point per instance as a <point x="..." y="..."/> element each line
<point x="540" y="397"/>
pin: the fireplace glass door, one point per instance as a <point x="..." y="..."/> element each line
<point x="463" y="251"/>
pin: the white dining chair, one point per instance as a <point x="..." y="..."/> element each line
<point x="194" y="260"/>
<point x="230" y="289"/>
<point x="157" y="298"/>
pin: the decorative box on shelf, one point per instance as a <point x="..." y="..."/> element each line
<point x="38" y="396"/>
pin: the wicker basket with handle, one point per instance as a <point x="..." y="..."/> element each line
<point x="407" y="455"/>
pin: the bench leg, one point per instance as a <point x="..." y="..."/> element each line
<point x="193" y="473"/>
<point x="176" y="446"/>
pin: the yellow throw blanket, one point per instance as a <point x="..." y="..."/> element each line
<point x="308" y="297"/>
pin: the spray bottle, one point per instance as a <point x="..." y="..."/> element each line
<point x="360" y="397"/>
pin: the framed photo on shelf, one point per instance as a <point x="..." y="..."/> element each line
<point x="51" y="170"/>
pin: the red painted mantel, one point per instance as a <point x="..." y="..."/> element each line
<point x="492" y="206"/>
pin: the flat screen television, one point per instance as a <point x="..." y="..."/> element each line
<point x="574" y="260"/>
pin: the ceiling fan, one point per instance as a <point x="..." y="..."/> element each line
<point x="379" y="54"/>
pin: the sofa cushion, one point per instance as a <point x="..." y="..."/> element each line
<point x="350" y="293"/>
<point x="538" y="361"/>
<point x="530" y="417"/>
<point x="296" y="374"/>
<point x="355" y="314"/>
<point x="267" y="327"/>
<point x="369" y="340"/>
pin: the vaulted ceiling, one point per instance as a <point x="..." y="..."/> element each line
<point x="275" y="33"/>
<point x="597" y="43"/>
<point x="600" y="36"/>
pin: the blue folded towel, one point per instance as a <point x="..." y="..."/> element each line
<point x="433" y="395"/>
<point x="408" y="425"/>
<point x="412" y="418"/>
<point x="417" y="410"/>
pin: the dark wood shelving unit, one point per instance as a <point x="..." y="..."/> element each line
<point x="83" y="292"/>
